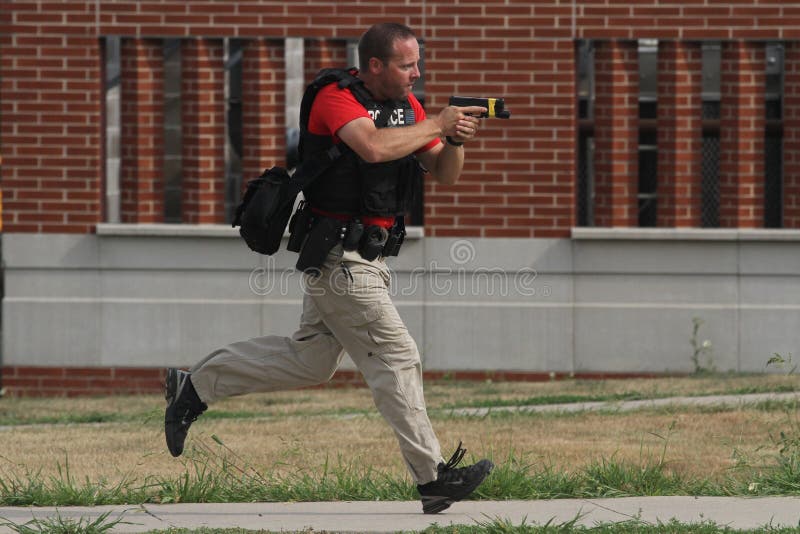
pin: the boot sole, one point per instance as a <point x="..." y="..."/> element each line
<point x="434" y="505"/>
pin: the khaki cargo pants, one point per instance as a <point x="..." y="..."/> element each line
<point x="346" y="308"/>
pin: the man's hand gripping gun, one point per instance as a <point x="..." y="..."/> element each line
<point x="495" y="106"/>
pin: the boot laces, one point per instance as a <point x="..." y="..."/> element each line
<point x="449" y="471"/>
<point x="189" y="417"/>
<point x="456" y="458"/>
<point x="191" y="411"/>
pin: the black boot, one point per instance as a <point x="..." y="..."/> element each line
<point x="183" y="408"/>
<point x="452" y="484"/>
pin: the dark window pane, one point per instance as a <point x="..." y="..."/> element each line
<point x="773" y="178"/>
<point x="173" y="132"/>
<point x="710" y="184"/>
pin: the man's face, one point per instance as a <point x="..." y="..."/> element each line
<point x="401" y="71"/>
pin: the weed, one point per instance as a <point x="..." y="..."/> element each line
<point x="783" y="478"/>
<point x="701" y="349"/>
<point x="779" y="361"/>
<point x="632" y="526"/>
<point x="64" y="525"/>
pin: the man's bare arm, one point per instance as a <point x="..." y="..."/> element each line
<point x="377" y="145"/>
<point x="444" y="163"/>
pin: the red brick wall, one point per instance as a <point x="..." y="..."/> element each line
<point x="22" y="381"/>
<point x="518" y="178"/>
<point x="263" y="115"/>
<point x="520" y="174"/>
<point x="51" y="147"/>
<point x="142" y="131"/>
<point x="742" y="122"/>
<point x="616" y="133"/>
<point x="322" y="53"/>
<point x="680" y="135"/>
<point x="203" y="121"/>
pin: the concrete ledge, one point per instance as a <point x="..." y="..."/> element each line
<point x="194" y="230"/>
<point x="167" y="230"/>
<point x="611" y="302"/>
<point x="684" y="234"/>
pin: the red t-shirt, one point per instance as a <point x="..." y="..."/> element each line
<point x="334" y="107"/>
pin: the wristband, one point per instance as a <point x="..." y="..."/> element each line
<point x="451" y="142"/>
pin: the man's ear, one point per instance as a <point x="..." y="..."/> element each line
<point x="375" y="65"/>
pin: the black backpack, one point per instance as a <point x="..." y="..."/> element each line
<point x="267" y="204"/>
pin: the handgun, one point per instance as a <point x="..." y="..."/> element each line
<point x="495" y="106"/>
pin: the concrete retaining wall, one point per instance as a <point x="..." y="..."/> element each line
<point x="607" y="300"/>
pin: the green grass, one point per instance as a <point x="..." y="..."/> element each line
<point x="144" y="417"/>
<point x="215" y="473"/>
<point x="71" y="418"/>
<point x="211" y="476"/>
<point x="435" y="413"/>
<point x="501" y="526"/>
<point x="543" y="400"/>
<point x="549" y="399"/>
<point x="497" y="526"/>
<point x="441" y="397"/>
<point x="61" y="525"/>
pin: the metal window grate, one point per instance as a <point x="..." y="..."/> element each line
<point x="233" y="125"/>
<point x="710" y="184"/>
<point x="647" y="196"/>
<point x="773" y="181"/>
<point x="584" y="195"/>
<point x="113" y="133"/>
<point x="173" y="132"/>
<point x="711" y="109"/>
<point x="773" y="140"/>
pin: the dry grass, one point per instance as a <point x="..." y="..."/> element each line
<point x="304" y="428"/>
<point x="438" y="394"/>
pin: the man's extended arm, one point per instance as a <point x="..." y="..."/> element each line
<point x="386" y="144"/>
<point x="444" y="162"/>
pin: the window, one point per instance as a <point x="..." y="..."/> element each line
<point x="647" y="194"/>
<point x="137" y="60"/>
<point x="173" y="131"/>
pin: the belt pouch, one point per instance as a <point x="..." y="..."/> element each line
<point x="324" y="235"/>
<point x="394" y="242"/>
<point x="372" y="242"/>
<point x="355" y="230"/>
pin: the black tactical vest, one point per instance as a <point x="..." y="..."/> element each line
<point x="353" y="186"/>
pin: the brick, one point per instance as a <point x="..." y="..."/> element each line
<point x="742" y="142"/>
<point x="140" y="374"/>
<point x="531" y="42"/>
<point x="616" y="135"/>
<point x="142" y="128"/>
<point x="679" y="134"/>
<point x="203" y="117"/>
<point x="87" y="372"/>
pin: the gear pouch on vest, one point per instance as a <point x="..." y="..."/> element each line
<point x="384" y="186"/>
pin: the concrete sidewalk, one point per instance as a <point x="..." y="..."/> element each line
<point x="734" y="512"/>
<point x="631" y="405"/>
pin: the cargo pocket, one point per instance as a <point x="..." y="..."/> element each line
<point x="373" y="332"/>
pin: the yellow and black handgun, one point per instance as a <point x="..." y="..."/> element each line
<point x="495" y="106"/>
